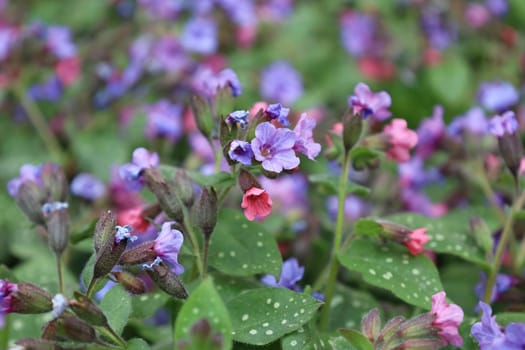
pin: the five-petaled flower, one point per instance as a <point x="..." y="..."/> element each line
<point x="447" y="318"/>
<point x="256" y="203"/>
<point x="274" y="147"/>
<point x="366" y="103"/>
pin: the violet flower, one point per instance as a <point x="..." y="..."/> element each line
<point x="163" y="9"/>
<point x="164" y="119"/>
<point x="503" y="283"/>
<point x="304" y="142"/>
<point x="291" y="273"/>
<point x="240" y="151"/>
<point x="439" y="31"/>
<point x="288" y="193"/>
<point x="88" y="186"/>
<point x="241" y="12"/>
<point x="8" y="39"/>
<point x="131" y="173"/>
<point x="50" y="90"/>
<point x="359" y="34"/>
<point x="277" y="111"/>
<point x="497" y="7"/>
<point x="200" y="36"/>
<point x="430" y="132"/>
<point x="497" y="95"/>
<point x="28" y="172"/>
<point x="59" y="42"/>
<point x="366" y="103"/>
<point x="490" y="335"/>
<point x="238" y="117"/>
<point x="208" y="83"/>
<point x="503" y="124"/>
<point x="167" y="246"/>
<point x="274" y="147"/>
<point x="474" y="121"/>
<point x="281" y="82"/>
<point x="168" y="55"/>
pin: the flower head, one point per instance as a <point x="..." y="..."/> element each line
<point x="277" y="111"/>
<point x="430" y="132"/>
<point x="503" y="283"/>
<point x="274" y="147"/>
<point x="208" y="83"/>
<point x="238" y="117"/>
<point x="490" y="335"/>
<point x="88" y="186"/>
<point x="447" y="318"/>
<point x="167" y="55"/>
<point x="256" y="203"/>
<point x="59" y="42"/>
<point x="366" y="103"/>
<point x="200" y="36"/>
<point x="164" y="119"/>
<point x="6" y="298"/>
<point x="415" y="241"/>
<point x="359" y="34"/>
<point x="291" y="273"/>
<point x="497" y="95"/>
<point x="281" y="82"/>
<point x="28" y="172"/>
<point x="304" y="142"/>
<point x="167" y="246"/>
<point x="401" y="140"/>
<point x="503" y="124"/>
<point x="241" y="152"/>
<point x="131" y="173"/>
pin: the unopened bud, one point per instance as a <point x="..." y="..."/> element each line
<point x="419" y="344"/>
<point x="168" y="281"/>
<point x="352" y="128"/>
<point x="165" y="193"/>
<point x="110" y="253"/>
<point x="184" y="187"/>
<point x="132" y="284"/>
<point x="419" y="326"/>
<point x="483" y="235"/>
<point x="76" y="329"/>
<point x="207" y="211"/>
<point x="246" y="180"/>
<point x="105" y="229"/>
<point x="511" y="150"/>
<point x="87" y="311"/>
<point x="371" y="325"/>
<point x="57" y="225"/>
<point x="30" y="198"/>
<point x="203" y="116"/>
<point x="55" y="182"/>
<point x="140" y="254"/>
<point x="30" y="299"/>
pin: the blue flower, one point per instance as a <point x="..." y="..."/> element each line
<point x="200" y="36"/>
<point x="490" y="335"/>
<point x="88" y="186"/>
<point x="240" y="117"/>
<point x="281" y="82"/>
<point x="241" y="152"/>
<point x="497" y="95"/>
<point x="503" y="124"/>
<point x="276" y="111"/>
<point x="274" y="147"/>
<point x="291" y="273"/>
<point x="167" y="246"/>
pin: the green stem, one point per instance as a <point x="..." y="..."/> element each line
<point x="507" y="231"/>
<point x="91" y="289"/>
<point x="520" y="257"/>
<point x="334" y="264"/>
<point x="193" y="239"/>
<point x="59" y="271"/>
<point x="114" y="337"/>
<point x="39" y="123"/>
<point x="205" y="256"/>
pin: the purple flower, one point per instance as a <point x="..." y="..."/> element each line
<point x="28" y="172"/>
<point x="131" y="173"/>
<point x="167" y="246"/>
<point x="497" y="95"/>
<point x="503" y="283"/>
<point x="413" y="174"/>
<point x="164" y="9"/>
<point x="88" y="186"/>
<point x="359" y="34"/>
<point x="164" y="119"/>
<point x="490" y="336"/>
<point x="241" y="152"/>
<point x="497" y="7"/>
<point x="304" y="142"/>
<point x="369" y="104"/>
<point x="430" y="132"/>
<point x="274" y="147"/>
<point x="59" y="42"/>
<point x="6" y="298"/>
<point x="168" y="55"/>
<point x="474" y="122"/>
<point x="355" y="207"/>
<point x="8" y="39"/>
<point x="241" y="12"/>
<point x="51" y="90"/>
<point x="207" y="83"/>
<point x="503" y="124"/>
<point x="291" y="273"/>
<point x="281" y="82"/>
<point x="276" y="111"/>
<point x="417" y="201"/>
<point x="200" y="36"/>
<point x="440" y="33"/>
<point x="240" y="117"/>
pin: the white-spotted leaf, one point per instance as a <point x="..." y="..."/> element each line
<point x="348" y="307"/>
<point x="413" y="279"/>
<point x="243" y="248"/>
<point x="260" y="316"/>
<point x="116" y="305"/>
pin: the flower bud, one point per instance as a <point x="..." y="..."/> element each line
<point x="165" y="193"/>
<point x="27" y="298"/>
<point x="54" y="181"/>
<point x="168" y="281"/>
<point x="207" y="211"/>
<point x="35" y="344"/>
<point x="105" y="229"/>
<point x="352" y="129"/>
<point x="506" y="129"/>
<point x="140" y="254"/>
<point x="30" y="198"/>
<point x="87" y="311"/>
<point x="246" y="180"/>
<point x="57" y="225"/>
<point x="184" y="187"/>
<point x="132" y="284"/>
<point x="109" y="255"/>
<point x="76" y="329"/>
<point x="371" y="325"/>
<point x="203" y="117"/>
<point x="412" y="239"/>
<point x="419" y="344"/>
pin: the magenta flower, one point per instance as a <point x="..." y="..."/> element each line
<point x="274" y="147"/>
<point x="401" y="140"/>
<point x="131" y="173"/>
<point x="6" y="298"/>
<point x="503" y="124"/>
<point x="369" y="104"/>
<point x="447" y="318"/>
<point x="164" y="119"/>
<point x="167" y="246"/>
<point x="304" y="142"/>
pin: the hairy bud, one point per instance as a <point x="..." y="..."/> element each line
<point x="105" y="229"/>
<point x="165" y="193"/>
<point x="206" y="211"/>
<point x="168" y="281"/>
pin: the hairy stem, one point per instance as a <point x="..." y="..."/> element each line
<point x="193" y="239"/>
<point x="59" y="271"/>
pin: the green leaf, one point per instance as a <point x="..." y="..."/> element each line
<point x="451" y="233"/>
<point x="357" y="339"/>
<point x="305" y="337"/>
<point x="146" y="305"/>
<point x="330" y="184"/>
<point x="219" y="180"/>
<point x="348" y="307"/>
<point x="367" y="227"/>
<point x="116" y="305"/>
<point x="204" y="303"/>
<point x="229" y="287"/>
<point x="137" y="344"/>
<point x="413" y="279"/>
<point x="243" y="248"/>
<point x="363" y="156"/>
<point x="260" y="316"/>
<point x="87" y="272"/>
<point x="505" y="318"/>
<point x="450" y="80"/>
<point x="7" y="274"/>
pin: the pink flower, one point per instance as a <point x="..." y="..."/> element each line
<point x="68" y="70"/>
<point x="415" y="241"/>
<point x="401" y="140"/>
<point x="447" y="318"/>
<point x="367" y="103"/>
<point x="256" y="203"/>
